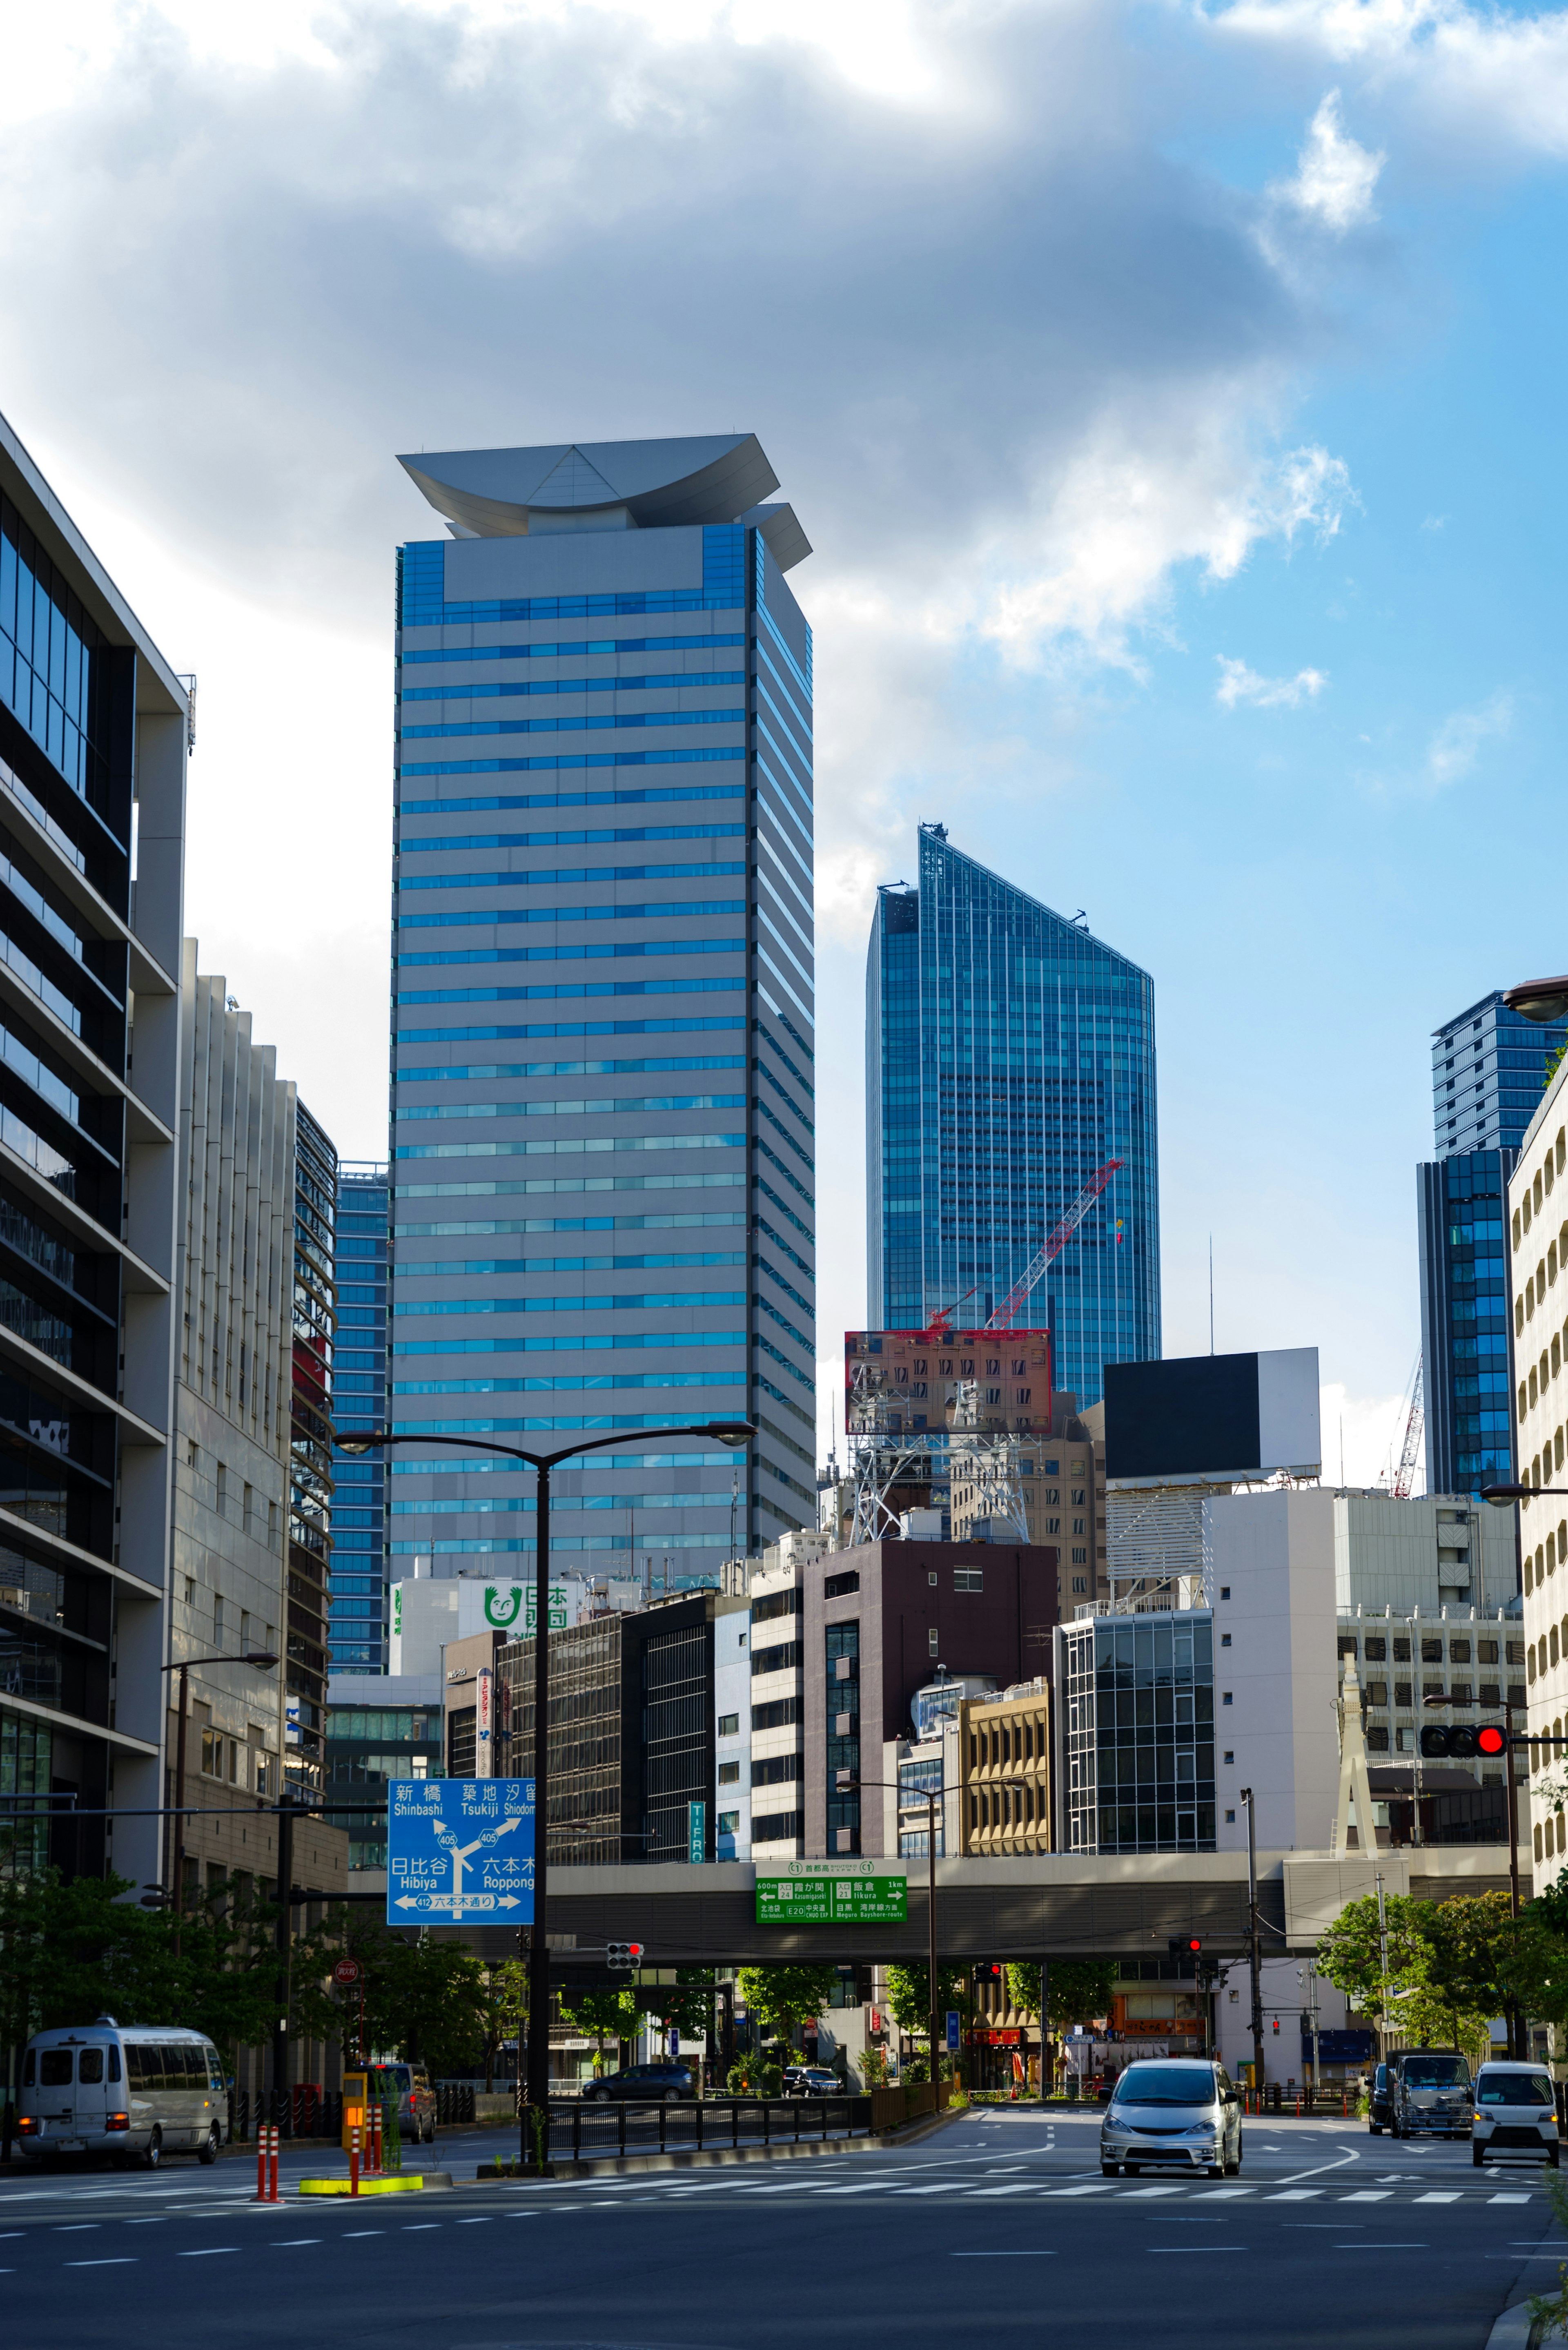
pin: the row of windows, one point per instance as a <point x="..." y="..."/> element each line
<point x="571" y="648"/>
<point x="432" y="1072"/>
<point x="602" y="722"/>
<point x="604" y="951"/>
<point x="659" y="684"/>
<point x="562" y="764"/>
<point x="557" y="992"/>
<point x="560" y="877"/>
<point x="575" y="1105"/>
<point x="1376" y="1647"/>
<point x="437" y="843"/>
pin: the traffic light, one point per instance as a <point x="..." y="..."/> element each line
<point x="1459" y="1743"/>
<point x="1276" y="2027"/>
<point x="623" y="1958"/>
<point x="1184" y="1946"/>
<point x="987" y="1971"/>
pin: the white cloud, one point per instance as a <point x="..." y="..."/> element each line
<point x="1455" y="747"/>
<point x="1335" y="178"/>
<point x="1367" y="1434"/>
<point x="1239" y="685"/>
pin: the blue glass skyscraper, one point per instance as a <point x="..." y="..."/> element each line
<point x="356" y="1618"/>
<point x="1489" y="1067"/>
<point x="604" y="1159"/>
<point x="1009" y="1054"/>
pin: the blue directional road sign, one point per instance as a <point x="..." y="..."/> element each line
<point x="460" y="1848"/>
<point x="954" y="2022"/>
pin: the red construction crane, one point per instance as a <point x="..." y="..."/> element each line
<point x="1055" y="1242"/>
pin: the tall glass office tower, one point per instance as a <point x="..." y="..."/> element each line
<point x="1489" y="1067"/>
<point x="357" y="1619"/>
<point x="1009" y="1054"/>
<point x="603" y="1156"/>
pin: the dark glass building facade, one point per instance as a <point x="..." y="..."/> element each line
<point x="1009" y="1054"/>
<point x="94" y="734"/>
<point x="1488" y="1070"/>
<point x="603" y="1152"/>
<point x="357" y="1623"/>
<point x="1138" y="1733"/>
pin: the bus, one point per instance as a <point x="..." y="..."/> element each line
<point x="140" y="2091"/>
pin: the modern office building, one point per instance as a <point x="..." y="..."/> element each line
<point x="1489" y="1067"/>
<point x="1009" y="1054"/>
<point x="357" y="1619"/>
<point x="602" y="1201"/>
<point x="1538" y="1231"/>
<point x="94" y="735"/>
<point x="232" y="1407"/>
<point x="310" y="1449"/>
<point x="1136" y="1702"/>
<point x="388" y="1728"/>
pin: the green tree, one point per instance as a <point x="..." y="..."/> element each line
<point x="1081" y="1988"/>
<point x="909" y="1996"/>
<point x="607" y="2015"/>
<point x="427" y="2002"/>
<point x="780" y="1997"/>
<point x="1350" y="1957"/>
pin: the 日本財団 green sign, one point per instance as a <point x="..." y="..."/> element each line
<point x="832" y="1893"/>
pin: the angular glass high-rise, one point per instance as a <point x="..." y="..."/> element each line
<point x="1009" y="1054"/>
<point x="603" y="1156"/>
<point x="1489" y="1067"/>
<point x="357" y="1620"/>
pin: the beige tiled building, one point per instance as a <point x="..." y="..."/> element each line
<point x="1004" y="1760"/>
<point x="1538" y="1213"/>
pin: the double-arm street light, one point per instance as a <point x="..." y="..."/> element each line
<point x="264" y="1663"/>
<point x="722" y="1432"/>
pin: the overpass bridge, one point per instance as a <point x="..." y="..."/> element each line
<point x="1057" y="1903"/>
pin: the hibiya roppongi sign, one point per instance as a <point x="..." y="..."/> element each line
<point x="833" y="1893"/>
<point x="460" y="1848"/>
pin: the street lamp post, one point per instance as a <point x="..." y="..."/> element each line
<point x="847" y="1784"/>
<point x="243" y="1657"/>
<point x="724" y="1432"/>
<point x="1254" y="1955"/>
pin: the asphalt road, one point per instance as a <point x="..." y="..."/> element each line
<point x="999" y="2226"/>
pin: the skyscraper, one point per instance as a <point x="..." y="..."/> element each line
<point x="603" y="1169"/>
<point x="94" y="733"/>
<point x="357" y="1624"/>
<point x="1489" y="1067"/>
<point x="1009" y="1054"/>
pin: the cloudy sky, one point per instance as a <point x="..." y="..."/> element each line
<point x="1173" y="396"/>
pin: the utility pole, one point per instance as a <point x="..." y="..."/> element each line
<point x="283" y="1932"/>
<point x="1255" y="1957"/>
<point x="1383" y="1961"/>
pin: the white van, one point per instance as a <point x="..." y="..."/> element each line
<point x="141" y="2090"/>
<point x="1515" y="2113"/>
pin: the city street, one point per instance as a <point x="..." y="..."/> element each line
<point x="999" y="2222"/>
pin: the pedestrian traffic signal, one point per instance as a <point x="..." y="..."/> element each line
<point x="623" y="1958"/>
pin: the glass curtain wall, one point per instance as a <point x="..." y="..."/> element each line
<point x="357" y="1624"/>
<point x="310" y="1451"/>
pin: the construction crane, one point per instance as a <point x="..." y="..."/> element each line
<point x="1055" y="1242"/>
<point x="1405" y="1475"/>
<point x="940" y="1323"/>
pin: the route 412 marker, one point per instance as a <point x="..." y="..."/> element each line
<point x="460" y="1848"/>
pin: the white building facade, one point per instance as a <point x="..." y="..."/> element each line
<point x="1538" y="1219"/>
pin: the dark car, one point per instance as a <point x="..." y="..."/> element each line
<point x="655" y="2085"/>
<point x="1380" y="2103"/>
<point x="812" y="2081"/>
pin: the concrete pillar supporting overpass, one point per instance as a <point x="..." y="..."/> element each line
<point x="1053" y="1902"/>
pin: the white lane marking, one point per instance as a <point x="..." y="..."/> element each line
<point x="291" y="2243"/>
<point x="1367" y="2195"/>
<point x="351" y="2234"/>
<point x="1431" y="2198"/>
<point x="206" y="2251"/>
<point x="1295" y="2177"/>
<point x="123" y="2262"/>
<point x="1103" y="2187"/>
<point x="1380" y="2248"/>
<point x="1295" y="2195"/>
<point x="1003" y="2256"/>
<point x="974" y="2194"/>
<point x="1157" y="2249"/>
<point x="417" y="2227"/>
<point x="483" y="2220"/>
<point x="75" y="2227"/>
<point x="1508" y="2199"/>
<point x="1227" y="2194"/>
<point x="1135" y="2194"/>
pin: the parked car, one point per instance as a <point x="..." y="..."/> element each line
<point x="1429" y="2092"/>
<point x="416" y="2100"/>
<point x="668" y="2083"/>
<point x="1515" y="2112"/>
<point x="142" y="2091"/>
<point x="1172" y="2110"/>
<point x="810" y="2081"/>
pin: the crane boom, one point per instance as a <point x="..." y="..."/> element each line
<point x="1055" y="1241"/>
<point x="1405" y="1476"/>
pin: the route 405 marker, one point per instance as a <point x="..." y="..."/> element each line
<point x="460" y="1848"/>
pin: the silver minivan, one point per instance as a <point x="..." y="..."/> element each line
<point x="1515" y="2112"/>
<point x="140" y="2090"/>
<point x="1176" y="2111"/>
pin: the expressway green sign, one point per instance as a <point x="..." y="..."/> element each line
<point x="833" y="1893"/>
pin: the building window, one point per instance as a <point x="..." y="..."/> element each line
<point x="968" y="1579"/>
<point x="729" y="1774"/>
<point x="1224" y="1639"/>
<point x="729" y="1725"/>
<point x="931" y="1642"/>
<point x="1225" y="1698"/>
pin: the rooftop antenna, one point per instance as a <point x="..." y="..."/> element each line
<point x="1211" y="1292"/>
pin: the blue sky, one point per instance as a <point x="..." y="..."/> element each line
<point x="1172" y="396"/>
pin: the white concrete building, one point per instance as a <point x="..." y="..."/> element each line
<point x="777" y="1734"/>
<point x="1538" y="1218"/>
<point x="733" y="1735"/>
<point x="1271" y="1558"/>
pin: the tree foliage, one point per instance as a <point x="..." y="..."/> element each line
<point x="1080" y="1989"/>
<point x="780" y="1997"/>
<point x="910" y="1995"/>
<point x="606" y="2014"/>
<point x="1452" y="1966"/>
<point x="428" y="2003"/>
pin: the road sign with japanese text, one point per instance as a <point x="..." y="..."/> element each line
<point x="833" y="1892"/>
<point x="460" y="1848"/>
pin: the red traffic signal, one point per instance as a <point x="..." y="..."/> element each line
<point x="1183" y="1945"/>
<point x="1492" y="1740"/>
